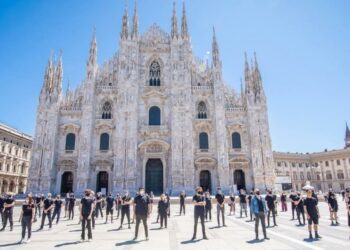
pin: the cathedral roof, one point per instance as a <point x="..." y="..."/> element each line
<point x="155" y="35"/>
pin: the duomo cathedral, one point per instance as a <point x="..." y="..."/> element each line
<point x="153" y="115"/>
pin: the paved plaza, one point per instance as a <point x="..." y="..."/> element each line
<point x="239" y="234"/>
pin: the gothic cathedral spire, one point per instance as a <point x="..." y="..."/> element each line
<point x="135" y="24"/>
<point x="215" y="51"/>
<point x="92" y="61"/>
<point x="125" y="26"/>
<point x="347" y="136"/>
<point x="184" y="27"/>
<point x="174" y="32"/>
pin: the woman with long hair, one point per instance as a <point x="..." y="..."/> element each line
<point x="27" y="218"/>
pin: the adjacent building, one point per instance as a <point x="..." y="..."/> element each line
<point x="15" y="153"/>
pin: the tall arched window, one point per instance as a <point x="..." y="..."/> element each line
<point x="104" y="142"/>
<point x="154" y="74"/>
<point x="202" y="111"/>
<point x="203" y="141"/>
<point x="70" y="141"/>
<point x="236" y="141"/>
<point x="107" y="110"/>
<point x="154" y="116"/>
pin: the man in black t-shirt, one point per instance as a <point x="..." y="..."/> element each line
<point x="57" y="209"/>
<point x="37" y="203"/>
<point x="8" y="211"/>
<point x="86" y="209"/>
<point x="125" y="209"/>
<point x="293" y="199"/>
<point x="109" y="207"/>
<point x="300" y="208"/>
<point x="199" y="210"/>
<point x="71" y="205"/>
<point x="47" y="208"/>
<point x="98" y="209"/>
<point x="249" y="198"/>
<point x="142" y="211"/>
<point x="243" y="202"/>
<point x="182" y="202"/>
<point x="312" y="213"/>
<point x="270" y="201"/>
<point x="220" y="206"/>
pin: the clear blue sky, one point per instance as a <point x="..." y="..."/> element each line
<point x="303" y="48"/>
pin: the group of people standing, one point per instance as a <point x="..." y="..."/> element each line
<point x="91" y="206"/>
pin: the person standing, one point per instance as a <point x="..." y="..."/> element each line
<point x="208" y="206"/>
<point x="47" y="208"/>
<point x="284" y="202"/>
<point x="8" y="211"/>
<point x="57" y="209"/>
<point x="2" y="202"/>
<point x="99" y="205"/>
<point x="347" y="204"/>
<point x="333" y="208"/>
<point x="168" y="198"/>
<point x="220" y="207"/>
<point x="271" y="208"/>
<point x="312" y="214"/>
<point x="109" y="207"/>
<point x="300" y="208"/>
<point x="182" y="202"/>
<point x="293" y="199"/>
<point x="259" y="209"/>
<point x="199" y="209"/>
<point x="93" y="215"/>
<point x="66" y="205"/>
<point x="118" y="204"/>
<point x="27" y="218"/>
<point x="71" y="205"/>
<point x="243" y="203"/>
<point x="142" y="211"/>
<point x="38" y="204"/>
<point x="86" y="208"/>
<point x="125" y="204"/>
<point x="249" y="198"/>
<point x="163" y="210"/>
<point x="232" y="205"/>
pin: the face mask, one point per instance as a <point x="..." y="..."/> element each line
<point x="257" y="193"/>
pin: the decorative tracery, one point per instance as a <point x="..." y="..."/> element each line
<point x="154" y="74"/>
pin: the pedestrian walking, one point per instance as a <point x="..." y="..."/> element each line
<point x="243" y="203"/>
<point x="109" y="207"/>
<point x="312" y="214"/>
<point x="48" y="205"/>
<point x="182" y="202"/>
<point x="208" y="206"/>
<point x="142" y="211"/>
<point x="86" y="208"/>
<point x="333" y="208"/>
<point x="220" y="207"/>
<point x="232" y="205"/>
<point x="270" y="200"/>
<point x="163" y="205"/>
<point x="259" y="211"/>
<point x="27" y="218"/>
<point x="126" y="201"/>
<point x="284" y="202"/>
<point x="300" y="208"/>
<point x="199" y="209"/>
<point x="8" y="211"/>
<point x="57" y="208"/>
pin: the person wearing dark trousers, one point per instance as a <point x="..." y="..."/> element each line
<point x="232" y="204"/>
<point x="249" y="198"/>
<point x="125" y="210"/>
<point x="293" y="198"/>
<point x="259" y="210"/>
<point x="300" y="208"/>
<point x="8" y="211"/>
<point x="168" y="198"/>
<point x="47" y="208"/>
<point x="312" y="214"/>
<point x="66" y="205"/>
<point x="99" y="205"/>
<point x="243" y="203"/>
<point x="333" y="208"/>
<point x="284" y="202"/>
<point x="38" y="204"/>
<point x="27" y="218"/>
<point x="270" y="200"/>
<point x="163" y="210"/>
<point x="109" y="207"/>
<point x="2" y="202"/>
<point x="182" y="202"/>
<point x="86" y="208"/>
<point x="208" y="206"/>
<point x="220" y="207"/>
<point x="118" y="204"/>
<point x="142" y="211"/>
<point x="199" y="210"/>
<point x="93" y="215"/>
<point x="71" y="205"/>
<point x="57" y="209"/>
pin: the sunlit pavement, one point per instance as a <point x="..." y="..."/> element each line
<point x="239" y="234"/>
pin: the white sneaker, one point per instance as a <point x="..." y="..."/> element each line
<point x="89" y="240"/>
<point x="28" y="240"/>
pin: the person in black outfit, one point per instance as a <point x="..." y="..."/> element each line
<point x="125" y="204"/>
<point x="284" y="202"/>
<point x="118" y="204"/>
<point x="27" y="218"/>
<point x="312" y="213"/>
<point x="2" y="202"/>
<point x="249" y="198"/>
<point x="38" y="204"/>
<point x="66" y="205"/>
<point x="99" y="205"/>
<point x="243" y="203"/>
<point x="142" y="211"/>
<point x="86" y="208"/>
<point x="293" y="199"/>
<point x="232" y="204"/>
<point x="300" y="208"/>
<point x="168" y="199"/>
<point x="57" y="209"/>
<point x="347" y="203"/>
<point x="220" y="206"/>
<point x="109" y="207"/>
<point x="71" y="205"/>
<point x="48" y="206"/>
<point x="199" y="209"/>
<point x="163" y="205"/>
<point x="208" y="206"/>
<point x="8" y="211"/>
<point x="270" y="201"/>
<point x="182" y="202"/>
<point x="333" y="208"/>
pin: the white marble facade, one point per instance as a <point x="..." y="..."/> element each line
<point x="149" y="105"/>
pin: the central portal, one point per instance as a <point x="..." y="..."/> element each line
<point x="154" y="176"/>
<point x="102" y="182"/>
